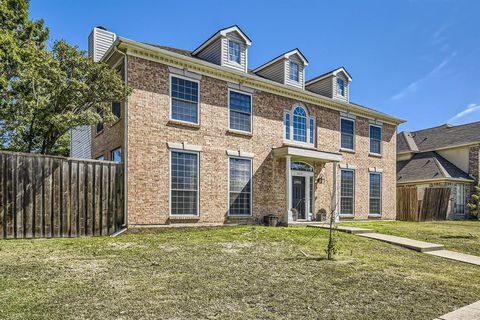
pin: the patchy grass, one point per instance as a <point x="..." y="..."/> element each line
<point x="461" y="236"/>
<point x="227" y="273"/>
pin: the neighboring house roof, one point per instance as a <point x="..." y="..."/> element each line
<point x="285" y="55"/>
<point x="428" y="166"/>
<point x="440" y="137"/>
<point x="328" y="74"/>
<point x="223" y="32"/>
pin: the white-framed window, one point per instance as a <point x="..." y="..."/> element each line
<point x="184" y="96"/>
<point x="239" y="186"/>
<point x="298" y="126"/>
<point x="294" y="71"/>
<point x="116" y="155"/>
<point x="375" y="193"/>
<point x="184" y="183"/>
<point x="340" y="87"/>
<point x="347" y="191"/>
<point x="347" y="132"/>
<point x="240" y="111"/>
<point x="375" y="139"/>
<point x="234" y="51"/>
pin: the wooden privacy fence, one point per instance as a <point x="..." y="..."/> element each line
<point x="407" y="204"/>
<point x="44" y="196"/>
<point x="433" y="206"/>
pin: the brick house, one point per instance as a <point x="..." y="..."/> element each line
<point x="446" y="156"/>
<point x="205" y="139"/>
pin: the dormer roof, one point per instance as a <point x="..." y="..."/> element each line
<point x="285" y="55"/>
<point x="333" y="72"/>
<point x="223" y="33"/>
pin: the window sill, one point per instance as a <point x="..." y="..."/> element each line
<point x="374" y="215"/>
<point x="184" y="217"/>
<point x="99" y="133"/>
<point x="376" y="155"/>
<point x="240" y="133"/>
<point x="184" y="124"/>
<point x="347" y="150"/>
<point x="346" y="216"/>
<point x="115" y="123"/>
<point x="243" y="216"/>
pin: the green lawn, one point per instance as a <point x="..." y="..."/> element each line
<point x="227" y="273"/>
<point x="461" y="236"/>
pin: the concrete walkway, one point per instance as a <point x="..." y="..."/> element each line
<point x="457" y="256"/>
<point x="470" y="312"/>
<point x="420" y="246"/>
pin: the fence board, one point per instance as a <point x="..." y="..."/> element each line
<point x="42" y="196"/>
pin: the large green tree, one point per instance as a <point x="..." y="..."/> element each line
<point x="45" y="93"/>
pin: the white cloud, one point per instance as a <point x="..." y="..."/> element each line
<point x="415" y="85"/>
<point x="472" y="107"/>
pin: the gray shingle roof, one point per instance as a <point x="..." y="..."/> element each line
<point x="428" y="166"/>
<point x="443" y="136"/>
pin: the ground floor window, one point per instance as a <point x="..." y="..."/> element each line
<point x="184" y="183"/>
<point x="347" y="191"/>
<point x="375" y="193"/>
<point x="460" y="198"/>
<point x="240" y="186"/>
<point x="117" y="155"/>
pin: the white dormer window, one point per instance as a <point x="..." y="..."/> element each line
<point x="294" y="71"/>
<point x="234" y="51"/>
<point x="340" y="87"/>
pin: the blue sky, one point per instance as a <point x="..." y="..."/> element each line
<point x="415" y="59"/>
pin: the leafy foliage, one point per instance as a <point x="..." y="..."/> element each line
<point x="45" y="93"/>
<point x="474" y="203"/>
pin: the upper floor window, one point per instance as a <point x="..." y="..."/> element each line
<point x="117" y="155"/>
<point x="99" y="126"/>
<point x="116" y="109"/>
<point x="347" y="129"/>
<point x="294" y="71"/>
<point x="298" y="126"/>
<point x="234" y="51"/>
<point x="375" y="139"/>
<point x="340" y="87"/>
<point x="184" y="95"/>
<point x="240" y="109"/>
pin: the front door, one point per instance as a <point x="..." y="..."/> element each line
<point x="298" y="193"/>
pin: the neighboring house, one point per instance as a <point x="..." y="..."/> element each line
<point x="446" y="156"/>
<point x="205" y="139"/>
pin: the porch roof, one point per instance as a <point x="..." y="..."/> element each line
<point x="299" y="153"/>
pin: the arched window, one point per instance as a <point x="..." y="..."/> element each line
<point x="299" y="124"/>
<point x="301" y="166"/>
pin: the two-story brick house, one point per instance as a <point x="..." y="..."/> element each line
<point x="206" y="139"/>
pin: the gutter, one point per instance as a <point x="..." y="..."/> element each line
<point x="255" y="81"/>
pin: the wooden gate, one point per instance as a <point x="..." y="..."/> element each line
<point x="407" y="204"/>
<point x="45" y="196"/>
<point x="435" y="204"/>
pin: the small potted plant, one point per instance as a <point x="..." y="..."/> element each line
<point x="321" y="215"/>
<point x="294" y="214"/>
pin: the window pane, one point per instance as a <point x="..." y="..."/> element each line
<point x="347" y="128"/>
<point x="240" y="111"/>
<point x="347" y="187"/>
<point x="375" y="193"/>
<point x="184" y="100"/>
<point x="116" y="110"/>
<point x="234" y="51"/>
<point x="375" y="139"/>
<point x="117" y="155"/>
<point x="240" y="186"/>
<point x="299" y="125"/>
<point x="312" y="130"/>
<point x="294" y="71"/>
<point x="184" y="183"/>
<point x="287" y="126"/>
<point x="340" y="87"/>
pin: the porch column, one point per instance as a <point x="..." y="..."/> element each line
<point x="288" y="177"/>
